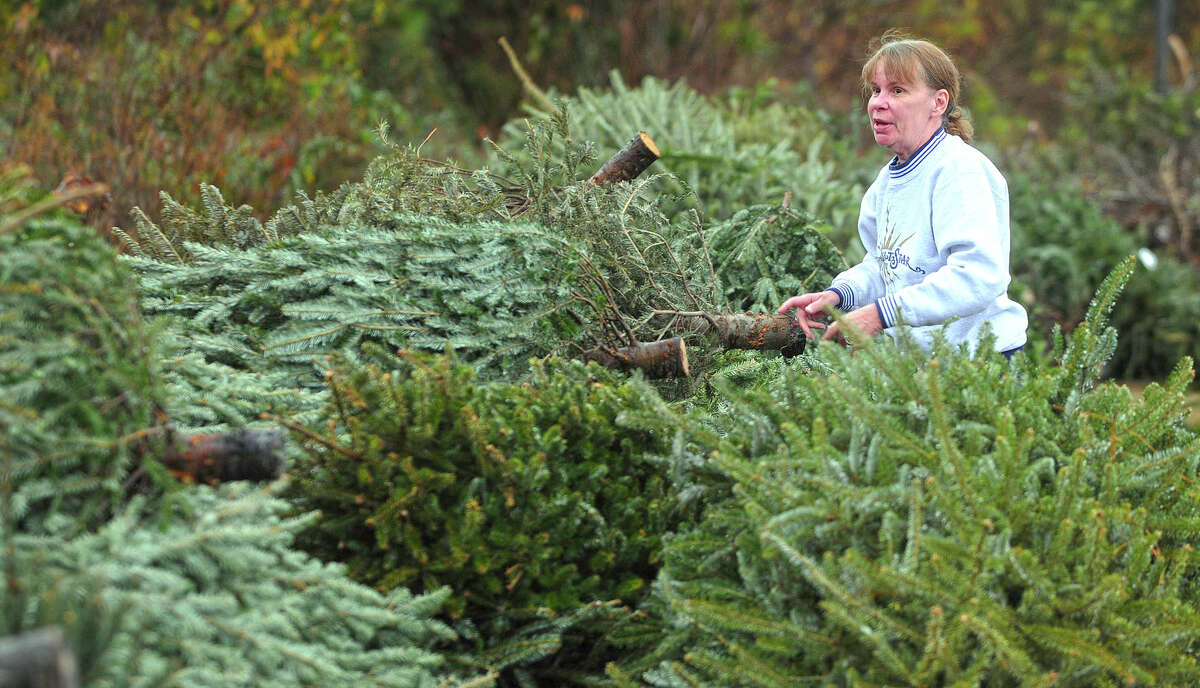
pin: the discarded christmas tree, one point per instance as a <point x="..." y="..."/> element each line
<point x="916" y="520"/>
<point x="81" y="404"/>
<point x="540" y="504"/>
<point x="153" y="582"/>
<point x="583" y="269"/>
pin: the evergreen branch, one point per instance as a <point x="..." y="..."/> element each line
<point x="816" y="576"/>
<point x="718" y="616"/>
<point x="712" y="273"/>
<point x="881" y="645"/>
<point x="938" y="416"/>
<point x="595" y="276"/>
<point x="764" y="672"/>
<point x="912" y="547"/>
<point x="143" y="222"/>
<point x="301" y="430"/>
<point x="487" y="679"/>
<point x="880" y="421"/>
<point x="625" y="230"/>
<point x="986" y="626"/>
<point x="1158" y="461"/>
<point x="1074" y="643"/>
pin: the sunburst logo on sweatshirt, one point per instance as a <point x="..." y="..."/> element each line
<point x="889" y="255"/>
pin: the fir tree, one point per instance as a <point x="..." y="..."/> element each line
<point x="918" y="520"/>
<point x="207" y="591"/>
<point x="496" y="293"/>
<point x="80" y="403"/>
<point x="181" y="587"/>
<point x="569" y="267"/>
<point x="720" y="154"/>
<point x="540" y="504"/>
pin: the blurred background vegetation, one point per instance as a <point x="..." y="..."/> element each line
<point x="265" y="99"/>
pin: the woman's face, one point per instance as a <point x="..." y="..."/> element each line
<point x="904" y="115"/>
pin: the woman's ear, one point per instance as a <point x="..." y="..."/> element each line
<point x="941" y="100"/>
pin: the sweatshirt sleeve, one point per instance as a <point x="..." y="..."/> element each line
<point x="863" y="284"/>
<point x="971" y="234"/>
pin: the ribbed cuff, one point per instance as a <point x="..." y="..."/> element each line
<point x="844" y="293"/>
<point x="889" y="311"/>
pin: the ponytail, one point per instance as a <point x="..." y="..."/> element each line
<point x="958" y="124"/>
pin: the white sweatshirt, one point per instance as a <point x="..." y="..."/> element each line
<point x="936" y="233"/>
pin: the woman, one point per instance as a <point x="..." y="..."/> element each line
<point x="934" y="222"/>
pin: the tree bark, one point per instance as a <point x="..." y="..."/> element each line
<point x="662" y="359"/>
<point x="38" y="659"/>
<point x="629" y="162"/>
<point x="762" y="331"/>
<point x="240" y="455"/>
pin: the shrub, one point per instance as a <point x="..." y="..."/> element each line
<point x="917" y="520"/>
<point x="1158" y="318"/>
<point x="1135" y="145"/>
<point x="527" y="500"/>
<point x="261" y="98"/>
<point x="1063" y="246"/>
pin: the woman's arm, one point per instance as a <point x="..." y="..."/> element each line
<point x="863" y="283"/>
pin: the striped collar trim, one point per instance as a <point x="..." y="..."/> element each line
<point x="899" y="170"/>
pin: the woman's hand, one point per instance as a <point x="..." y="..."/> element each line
<point x="810" y="309"/>
<point x="859" y="326"/>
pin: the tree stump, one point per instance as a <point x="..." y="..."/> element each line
<point x="629" y="162"/>
<point x="762" y="331"/>
<point x="38" y="659"/>
<point x="657" y="360"/>
<point x="245" y="454"/>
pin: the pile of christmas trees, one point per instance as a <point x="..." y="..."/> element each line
<point x="470" y="499"/>
<point x="152" y="582"/>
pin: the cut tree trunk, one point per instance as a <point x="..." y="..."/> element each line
<point x="626" y="165"/>
<point x="38" y="659"/>
<point x="762" y="331"/>
<point x="657" y="360"/>
<point x="629" y="162"/>
<point x="239" y="455"/>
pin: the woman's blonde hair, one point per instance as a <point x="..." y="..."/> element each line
<point x="911" y="60"/>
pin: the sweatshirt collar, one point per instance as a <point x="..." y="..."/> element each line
<point x="899" y="170"/>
